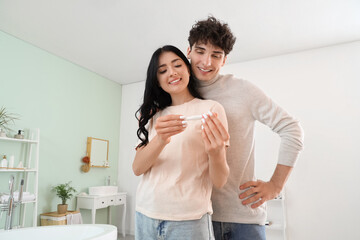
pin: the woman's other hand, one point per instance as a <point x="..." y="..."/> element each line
<point x="214" y="133"/>
<point x="168" y="126"/>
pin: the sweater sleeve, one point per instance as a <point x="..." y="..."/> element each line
<point x="266" y="111"/>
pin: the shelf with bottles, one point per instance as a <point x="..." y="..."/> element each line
<point x="8" y="165"/>
<point x="21" y="155"/>
<point x="18" y="140"/>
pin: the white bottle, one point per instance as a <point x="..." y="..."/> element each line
<point x="4" y="162"/>
<point x="11" y="161"/>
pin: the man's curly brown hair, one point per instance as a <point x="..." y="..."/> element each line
<point x="213" y="31"/>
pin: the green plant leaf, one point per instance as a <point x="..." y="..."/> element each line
<point x="64" y="191"/>
<point x="6" y="118"/>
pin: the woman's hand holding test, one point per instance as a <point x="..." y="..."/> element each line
<point x="166" y="127"/>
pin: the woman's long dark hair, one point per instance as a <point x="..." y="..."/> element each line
<point x="155" y="98"/>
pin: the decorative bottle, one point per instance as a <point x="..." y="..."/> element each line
<point x="4" y="162"/>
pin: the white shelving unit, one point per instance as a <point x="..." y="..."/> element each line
<point x="276" y="219"/>
<point x="30" y="169"/>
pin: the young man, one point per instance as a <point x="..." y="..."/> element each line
<point x="239" y="209"/>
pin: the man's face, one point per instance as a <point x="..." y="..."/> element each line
<point x="206" y="60"/>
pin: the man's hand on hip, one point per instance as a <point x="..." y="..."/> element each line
<point x="258" y="192"/>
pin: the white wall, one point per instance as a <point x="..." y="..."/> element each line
<point x="321" y="88"/>
<point x="127" y="181"/>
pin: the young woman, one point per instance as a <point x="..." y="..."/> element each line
<point x="179" y="158"/>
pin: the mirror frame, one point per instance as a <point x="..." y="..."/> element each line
<point x="89" y="148"/>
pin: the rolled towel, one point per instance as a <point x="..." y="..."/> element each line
<point x="4" y="198"/>
<point x="24" y="193"/>
<point x="26" y="198"/>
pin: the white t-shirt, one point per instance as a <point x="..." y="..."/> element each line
<point x="178" y="186"/>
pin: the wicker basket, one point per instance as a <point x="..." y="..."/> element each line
<point x="54" y="218"/>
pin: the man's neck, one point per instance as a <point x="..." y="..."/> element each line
<point x="204" y="83"/>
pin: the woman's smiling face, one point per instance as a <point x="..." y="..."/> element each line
<point x="172" y="74"/>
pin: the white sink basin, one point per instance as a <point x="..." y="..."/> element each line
<point x="103" y="190"/>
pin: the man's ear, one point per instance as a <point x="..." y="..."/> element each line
<point x="188" y="52"/>
<point x="223" y="63"/>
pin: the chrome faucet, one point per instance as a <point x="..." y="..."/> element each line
<point x="11" y="203"/>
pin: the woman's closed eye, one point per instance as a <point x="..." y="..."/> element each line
<point x="162" y="71"/>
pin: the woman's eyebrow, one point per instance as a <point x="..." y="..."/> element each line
<point x="163" y="65"/>
<point x="176" y="59"/>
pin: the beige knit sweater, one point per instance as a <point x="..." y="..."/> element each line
<point x="244" y="103"/>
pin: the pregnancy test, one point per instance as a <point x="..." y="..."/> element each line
<point x="195" y="117"/>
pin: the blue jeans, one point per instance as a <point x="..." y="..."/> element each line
<point x="153" y="229"/>
<point x="238" y="231"/>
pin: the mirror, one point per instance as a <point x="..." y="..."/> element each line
<point x="98" y="151"/>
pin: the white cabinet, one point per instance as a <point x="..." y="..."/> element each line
<point x="93" y="202"/>
<point x="27" y="151"/>
<point x="276" y="219"/>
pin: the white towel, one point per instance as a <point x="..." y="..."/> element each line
<point x="15" y="193"/>
<point x="24" y="193"/>
<point x="74" y="219"/>
<point x="26" y="198"/>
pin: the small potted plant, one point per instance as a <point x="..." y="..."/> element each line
<point x="64" y="192"/>
<point x="5" y="119"/>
